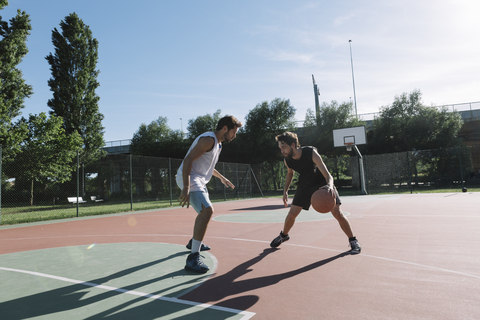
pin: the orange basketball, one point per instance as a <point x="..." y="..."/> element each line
<point x="322" y="201"/>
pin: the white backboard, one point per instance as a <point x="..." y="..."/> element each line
<point x="355" y="135"/>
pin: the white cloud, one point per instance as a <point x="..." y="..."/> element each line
<point x="343" y="19"/>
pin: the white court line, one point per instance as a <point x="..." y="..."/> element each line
<point x="362" y="255"/>
<point x="456" y="216"/>
<point x="98" y="235"/>
<point x="263" y="241"/>
<point x="246" y="315"/>
<point x="395" y="260"/>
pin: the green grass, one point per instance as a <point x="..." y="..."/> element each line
<point x="43" y="213"/>
<point x="26" y="214"/>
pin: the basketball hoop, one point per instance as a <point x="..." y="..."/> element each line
<point x="349" y="145"/>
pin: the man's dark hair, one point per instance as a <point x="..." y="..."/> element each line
<point x="229" y="121"/>
<point x="288" y="138"/>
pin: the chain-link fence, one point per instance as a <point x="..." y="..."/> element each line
<point x="121" y="183"/>
<point x="416" y="171"/>
<point x="116" y="183"/>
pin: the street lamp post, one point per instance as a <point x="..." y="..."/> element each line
<point x="353" y="79"/>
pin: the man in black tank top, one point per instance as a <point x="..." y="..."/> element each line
<point x="313" y="176"/>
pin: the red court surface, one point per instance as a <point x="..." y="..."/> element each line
<point x="419" y="260"/>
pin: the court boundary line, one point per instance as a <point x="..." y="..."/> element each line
<point x="213" y="268"/>
<point x="264" y="241"/>
<point x="395" y="260"/>
<point x="246" y="314"/>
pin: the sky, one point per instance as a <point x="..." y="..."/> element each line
<point x="183" y="59"/>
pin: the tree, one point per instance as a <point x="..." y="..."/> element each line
<point x="319" y="131"/>
<point x="202" y="124"/>
<point x="13" y="89"/>
<point x="73" y="83"/>
<point x="46" y="154"/>
<point x="158" y="140"/>
<point x="147" y="136"/>
<point x="408" y="124"/>
<point x="262" y="124"/>
<point x="310" y="119"/>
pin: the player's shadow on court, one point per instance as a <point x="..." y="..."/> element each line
<point x="265" y="207"/>
<point x="225" y="285"/>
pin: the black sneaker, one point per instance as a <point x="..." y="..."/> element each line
<point x="278" y="240"/>
<point x="195" y="263"/>
<point x="202" y="248"/>
<point x="355" y="247"/>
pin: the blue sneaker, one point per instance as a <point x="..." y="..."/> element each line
<point x="195" y="263"/>
<point x="202" y="248"/>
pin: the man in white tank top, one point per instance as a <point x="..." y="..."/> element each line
<point x="194" y="173"/>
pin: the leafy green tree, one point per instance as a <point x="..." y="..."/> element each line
<point x="257" y="138"/>
<point x="318" y="132"/>
<point x="147" y="135"/>
<point x="202" y="124"/>
<point x="46" y="154"/>
<point x="73" y="83"/>
<point x="262" y="124"/>
<point x="408" y="124"/>
<point x="310" y="119"/>
<point x="158" y="140"/>
<point x="13" y="89"/>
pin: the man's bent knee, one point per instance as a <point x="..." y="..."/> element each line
<point x="207" y="212"/>
<point x="337" y="213"/>
<point x="294" y="211"/>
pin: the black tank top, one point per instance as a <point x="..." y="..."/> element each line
<point x="310" y="176"/>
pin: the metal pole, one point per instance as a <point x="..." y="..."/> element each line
<point x="78" y="182"/>
<point x="361" y="172"/>
<point x="170" y="175"/>
<point x="250" y="181"/>
<point x="365" y="172"/>
<point x="0" y="184"/>
<point x="409" y="173"/>
<point x="353" y="79"/>
<point x="461" y="169"/>
<point x="316" y="93"/>
<point x="224" y="188"/>
<point x="83" y="179"/>
<point x="131" y="184"/>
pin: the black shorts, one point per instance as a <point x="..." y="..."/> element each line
<point x="304" y="194"/>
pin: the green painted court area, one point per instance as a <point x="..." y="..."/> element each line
<point x="272" y="216"/>
<point x="120" y="281"/>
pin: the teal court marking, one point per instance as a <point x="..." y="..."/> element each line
<point x="122" y="280"/>
<point x="272" y="216"/>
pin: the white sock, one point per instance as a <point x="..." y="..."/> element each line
<point x="196" y="245"/>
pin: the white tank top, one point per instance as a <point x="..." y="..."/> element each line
<point x="202" y="168"/>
